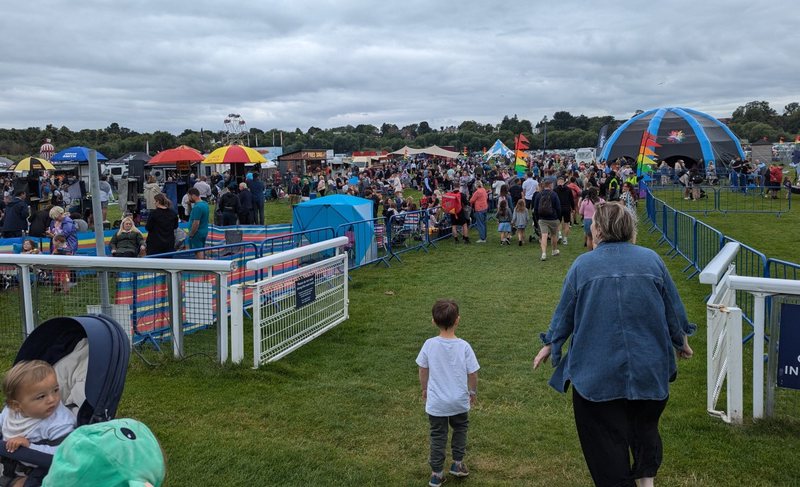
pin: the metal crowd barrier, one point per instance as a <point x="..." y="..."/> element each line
<point x="368" y="242"/>
<point x="280" y="243"/>
<point x="726" y="199"/>
<point x="699" y="243"/>
<point x="408" y="231"/>
<point x="782" y="269"/>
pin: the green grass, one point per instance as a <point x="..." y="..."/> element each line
<point x="346" y="409"/>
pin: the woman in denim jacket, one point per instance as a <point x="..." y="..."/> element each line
<point x="621" y="358"/>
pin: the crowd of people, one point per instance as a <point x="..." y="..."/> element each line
<point x="541" y="205"/>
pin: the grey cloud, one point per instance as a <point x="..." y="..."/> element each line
<point x="171" y="65"/>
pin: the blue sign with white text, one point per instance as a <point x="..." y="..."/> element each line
<point x="789" y="347"/>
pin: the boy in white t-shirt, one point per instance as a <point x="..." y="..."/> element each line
<point x="448" y="374"/>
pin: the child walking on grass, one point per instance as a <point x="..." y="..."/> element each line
<point x="60" y="276"/>
<point x="504" y="222"/>
<point x="519" y="220"/>
<point x="448" y="374"/>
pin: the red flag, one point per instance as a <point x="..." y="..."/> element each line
<point x="521" y="142"/>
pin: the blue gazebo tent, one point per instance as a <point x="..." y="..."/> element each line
<point x="334" y="211"/>
<point x="679" y="133"/>
<point x="75" y="155"/>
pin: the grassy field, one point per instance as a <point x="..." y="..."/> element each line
<point x="346" y="409"/>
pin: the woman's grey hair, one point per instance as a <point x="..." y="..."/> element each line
<point x="615" y="223"/>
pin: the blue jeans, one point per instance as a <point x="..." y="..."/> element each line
<point x="480" y="222"/>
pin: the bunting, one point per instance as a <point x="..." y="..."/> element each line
<point x="645" y="161"/>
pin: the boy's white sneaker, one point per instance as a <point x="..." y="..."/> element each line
<point x="544" y="256"/>
<point x="556" y="252"/>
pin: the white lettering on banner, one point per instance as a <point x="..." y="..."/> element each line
<point x="789" y="370"/>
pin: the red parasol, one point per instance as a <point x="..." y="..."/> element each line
<point x="182" y="153"/>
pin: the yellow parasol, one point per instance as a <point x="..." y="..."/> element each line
<point x="234" y="154"/>
<point x="33" y="164"/>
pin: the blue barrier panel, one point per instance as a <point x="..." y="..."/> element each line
<point x="288" y="241"/>
<point x="781" y="269"/>
<point x="377" y="248"/>
<point x="439" y="227"/>
<point x="408" y="231"/>
<point x="708" y="242"/>
<point x="749" y="262"/>
<point x="753" y="199"/>
<point x="668" y="229"/>
<point x="684" y="237"/>
<point x="694" y="199"/>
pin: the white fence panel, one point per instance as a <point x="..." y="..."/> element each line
<point x="292" y="309"/>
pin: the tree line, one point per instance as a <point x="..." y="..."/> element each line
<point x="753" y="121"/>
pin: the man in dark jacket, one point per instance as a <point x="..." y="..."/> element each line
<point x="229" y="207"/>
<point x="547" y="210"/>
<point x="16" y="216"/>
<point x="245" y="204"/>
<point x="567" y="203"/>
<point x="257" y="190"/>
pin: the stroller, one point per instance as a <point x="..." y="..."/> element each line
<point x="90" y="355"/>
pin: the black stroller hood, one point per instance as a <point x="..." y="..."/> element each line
<point x="109" y="351"/>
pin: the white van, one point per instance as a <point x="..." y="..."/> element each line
<point x="586" y="155"/>
<point x="118" y="170"/>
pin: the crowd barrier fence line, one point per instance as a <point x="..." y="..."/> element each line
<point x="698" y="243"/>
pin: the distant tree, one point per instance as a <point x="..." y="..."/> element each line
<point x="755" y="130"/>
<point x="754" y="111"/>
<point x="410" y="131"/>
<point x="469" y="125"/>
<point x="562" y="121"/>
<point x="424" y="128"/>
<point x="389" y="129"/>
<point x="366" y="129"/>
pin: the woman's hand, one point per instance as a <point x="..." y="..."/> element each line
<point x="686" y="352"/>
<point x="542" y="356"/>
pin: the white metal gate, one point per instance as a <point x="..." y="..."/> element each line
<point x="293" y="308"/>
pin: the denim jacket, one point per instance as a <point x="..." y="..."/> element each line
<point x="624" y="314"/>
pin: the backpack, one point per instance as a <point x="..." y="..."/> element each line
<point x="546" y="204"/>
<point x="451" y="203"/>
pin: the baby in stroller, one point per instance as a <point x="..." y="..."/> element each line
<point x="34" y="417"/>
<point x="69" y="372"/>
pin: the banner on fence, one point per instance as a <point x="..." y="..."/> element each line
<point x="789" y="347"/>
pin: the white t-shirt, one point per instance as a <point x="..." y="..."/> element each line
<point x="530" y="186"/>
<point x="497" y="185"/>
<point x="449" y="361"/>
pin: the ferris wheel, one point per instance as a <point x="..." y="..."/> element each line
<point x="236" y="129"/>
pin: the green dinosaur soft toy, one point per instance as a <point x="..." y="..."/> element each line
<point x="118" y="453"/>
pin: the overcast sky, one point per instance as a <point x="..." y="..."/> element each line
<point x="176" y="64"/>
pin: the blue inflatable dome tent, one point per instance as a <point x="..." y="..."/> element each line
<point x="334" y="211"/>
<point x="680" y="132"/>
